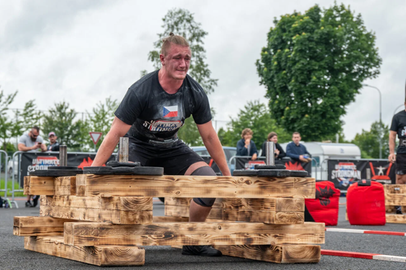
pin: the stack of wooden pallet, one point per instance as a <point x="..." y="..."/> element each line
<point x="395" y="195"/>
<point x="103" y="220"/>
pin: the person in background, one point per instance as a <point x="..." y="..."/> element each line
<point x="297" y="151"/>
<point x="31" y="141"/>
<point x="278" y="150"/>
<point x="398" y="127"/>
<point x="245" y="146"/>
<point x="54" y="145"/>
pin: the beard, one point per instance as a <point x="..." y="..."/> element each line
<point x="33" y="139"/>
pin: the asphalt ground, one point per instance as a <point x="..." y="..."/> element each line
<point x="14" y="256"/>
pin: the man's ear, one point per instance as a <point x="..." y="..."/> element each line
<point x="162" y="58"/>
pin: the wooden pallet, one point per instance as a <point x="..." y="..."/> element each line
<point x="257" y="218"/>
<point x="395" y="195"/>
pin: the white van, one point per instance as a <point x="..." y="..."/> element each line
<point x="321" y="151"/>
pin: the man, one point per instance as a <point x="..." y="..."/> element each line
<point x="31" y="141"/>
<point x="54" y="146"/>
<point x="297" y="151"/>
<point x="152" y="111"/>
<point x="245" y="146"/>
<point x="398" y="127"/>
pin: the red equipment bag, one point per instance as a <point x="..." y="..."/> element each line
<point x="366" y="203"/>
<point x="325" y="207"/>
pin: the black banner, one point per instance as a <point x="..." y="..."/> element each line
<point x="246" y="163"/>
<point x="343" y="173"/>
<point x="31" y="161"/>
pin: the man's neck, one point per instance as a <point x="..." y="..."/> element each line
<point x="170" y="85"/>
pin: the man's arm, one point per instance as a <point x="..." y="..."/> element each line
<point x="290" y="153"/>
<point x="392" y="143"/>
<point x="43" y="147"/>
<point x="254" y="149"/>
<point x="213" y="145"/>
<point x="118" y="129"/>
<point x="22" y="147"/>
<point x="241" y="149"/>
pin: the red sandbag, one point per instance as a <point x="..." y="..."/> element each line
<point x="325" y="207"/>
<point x="366" y="204"/>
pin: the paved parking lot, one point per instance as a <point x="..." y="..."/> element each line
<point x="14" y="256"/>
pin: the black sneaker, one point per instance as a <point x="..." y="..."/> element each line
<point x="399" y="210"/>
<point x="201" y="251"/>
<point x="35" y="201"/>
<point x="28" y="204"/>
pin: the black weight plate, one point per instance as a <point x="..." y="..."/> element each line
<point x="138" y="170"/>
<point x="270" y="167"/>
<point x="56" y="173"/>
<point x="299" y="173"/>
<point x="245" y="172"/>
<point x="282" y="173"/>
<point x="63" y="168"/>
<point x="114" y="163"/>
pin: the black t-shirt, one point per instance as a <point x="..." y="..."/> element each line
<point x="155" y="114"/>
<point x="399" y="125"/>
<point x="53" y="147"/>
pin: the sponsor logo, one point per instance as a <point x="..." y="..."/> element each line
<point x="170" y="111"/>
<point x="161" y="125"/>
<point x="296" y="166"/>
<point x="378" y="173"/>
<point x="42" y="163"/>
<point x="323" y="194"/>
<point x="345" y="173"/>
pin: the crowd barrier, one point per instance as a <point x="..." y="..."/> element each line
<point x="31" y="161"/>
<point x="2" y="152"/>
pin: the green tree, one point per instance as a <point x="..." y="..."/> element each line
<point x="313" y="67"/>
<point x="181" y="22"/>
<point x="256" y="117"/>
<point x="368" y="141"/>
<point x="101" y="118"/>
<point x="61" y="120"/>
<point x="30" y="115"/>
<point x="6" y="124"/>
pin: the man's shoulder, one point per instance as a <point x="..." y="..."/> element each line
<point x="194" y="85"/>
<point x="144" y="82"/>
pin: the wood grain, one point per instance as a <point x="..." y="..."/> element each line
<point x="65" y="185"/>
<point x="96" y="255"/>
<point x="395" y="195"/>
<point x="275" y="253"/>
<point x="38" y="226"/>
<point x="394" y="218"/>
<point x="36" y="185"/>
<point x="204" y="233"/>
<point x="194" y="186"/>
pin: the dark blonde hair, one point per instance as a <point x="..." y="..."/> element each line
<point x="246" y="131"/>
<point x="271" y="135"/>
<point x="175" y="39"/>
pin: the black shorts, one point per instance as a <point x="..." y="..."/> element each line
<point x="175" y="159"/>
<point x="401" y="164"/>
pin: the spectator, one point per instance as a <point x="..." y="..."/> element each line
<point x="31" y="141"/>
<point x="245" y="146"/>
<point x="278" y="150"/>
<point x="297" y="151"/>
<point x="54" y="146"/>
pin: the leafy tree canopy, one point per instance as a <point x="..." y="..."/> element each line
<point x="255" y="116"/>
<point x="368" y="141"/>
<point x="313" y="66"/>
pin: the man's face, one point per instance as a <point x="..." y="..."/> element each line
<point x="33" y="135"/>
<point x="247" y="136"/>
<point x="52" y="138"/>
<point x="296" y="138"/>
<point x="177" y="61"/>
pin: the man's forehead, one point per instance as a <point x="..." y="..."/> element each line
<point x="179" y="49"/>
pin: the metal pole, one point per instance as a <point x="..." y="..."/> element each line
<point x="380" y="116"/>
<point x="123" y="149"/>
<point x="270" y="156"/>
<point x="368" y="173"/>
<point x="63" y="155"/>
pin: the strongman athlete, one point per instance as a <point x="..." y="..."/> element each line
<point x="151" y="113"/>
<point x="398" y="127"/>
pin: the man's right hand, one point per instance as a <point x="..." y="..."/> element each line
<point x="392" y="157"/>
<point x="247" y="142"/>
<point x="301" y="157"/>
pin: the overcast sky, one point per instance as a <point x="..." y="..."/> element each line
<point x="84" y="51"/>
